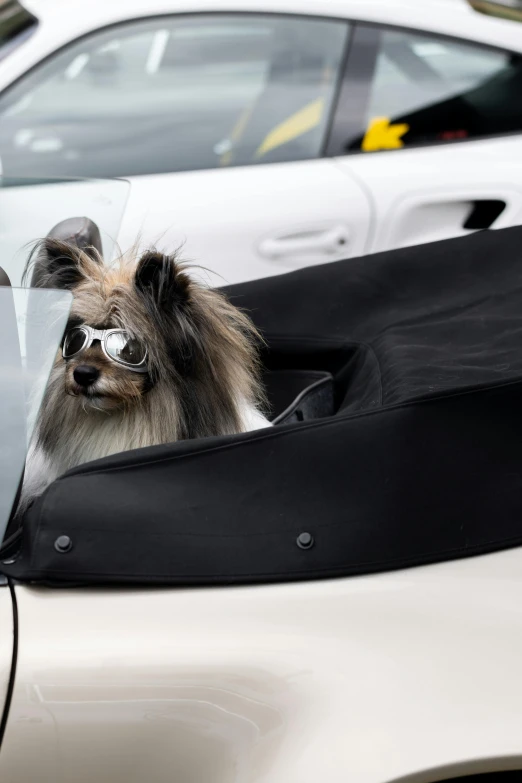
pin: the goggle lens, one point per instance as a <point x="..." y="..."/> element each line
<point x="75" y="341"/>
<point x="123" y="348"/>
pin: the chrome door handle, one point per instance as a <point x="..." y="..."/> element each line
<point x="326" y="242"/>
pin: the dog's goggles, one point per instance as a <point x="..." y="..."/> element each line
<point x="117" y="345"/>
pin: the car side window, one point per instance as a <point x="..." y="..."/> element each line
<point x="176" y="94"/>
<point x="426" y="90"/>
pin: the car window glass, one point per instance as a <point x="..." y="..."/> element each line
<point x="31" y="327"/>
<point x="425" y="90"/>
<point x="175" y="94"/>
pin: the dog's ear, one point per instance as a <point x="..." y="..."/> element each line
<point x="58" y="264"/>
<point x="161" y="278"/>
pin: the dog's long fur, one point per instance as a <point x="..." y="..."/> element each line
<point x="203" y="371"/>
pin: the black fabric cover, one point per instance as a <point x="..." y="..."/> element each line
<point x="420" y="462"/>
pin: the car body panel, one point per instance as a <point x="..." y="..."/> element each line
<point x="411" y="673"/>
<point x="262" y="220"/>
<point x="443" y="183"/>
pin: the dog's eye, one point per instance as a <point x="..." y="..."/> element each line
<point x="124" y="348"/>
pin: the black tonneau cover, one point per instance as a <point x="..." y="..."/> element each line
<point x="417" y="457"/>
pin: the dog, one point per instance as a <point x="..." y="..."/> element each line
<point x="149" y="356"/>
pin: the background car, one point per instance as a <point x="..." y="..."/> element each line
<point x="267" y="136"/>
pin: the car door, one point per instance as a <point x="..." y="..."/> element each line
<point x="433" y="127"/>
<point x="220" y="121"/>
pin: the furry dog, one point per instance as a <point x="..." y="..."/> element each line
<point x="149" y="356"/>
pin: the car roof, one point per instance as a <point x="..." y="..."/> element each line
<point x="449" y="17"/>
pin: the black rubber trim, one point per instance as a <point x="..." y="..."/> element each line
<point x="14" y="658"/>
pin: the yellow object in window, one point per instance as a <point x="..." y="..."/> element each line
<point x="301" y="122"/>
<point x="381" y="135"/>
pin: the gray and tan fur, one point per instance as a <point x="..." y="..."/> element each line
<point x="203" y="372"/>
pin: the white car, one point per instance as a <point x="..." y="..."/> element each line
<point x="250" y="128"/>
<point x="161" y="615"/>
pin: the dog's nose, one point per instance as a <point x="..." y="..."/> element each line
<point x="85" y="375"/>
